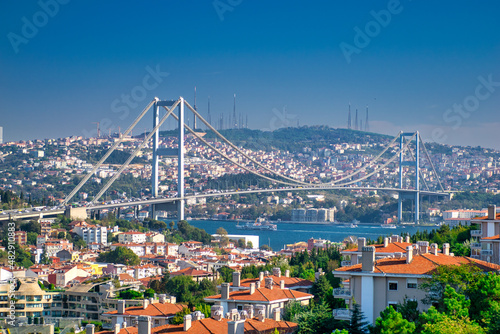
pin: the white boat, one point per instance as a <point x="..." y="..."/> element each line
<point x="259" y="224"/>
<point x="388" y="226"/>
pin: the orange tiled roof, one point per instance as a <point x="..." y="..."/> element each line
<point x="209" y="326"/>
<point x="290" y="282"/>
<point x="265" y="295"/>
<point x="497" y="217"/>
<point x="392" y="247"/>
<point x="495" y="237"/>
<point x="153" y="310"/>
<point x="190" y="272"/>
<point x="423" y="264"/>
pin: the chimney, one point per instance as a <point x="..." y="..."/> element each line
<point x="287" y="273"/>
<point x="197" y="315"/>
<point x="233" y="315"/>
<point x="117" y="328"/>
<point x="261" y="276"/>
<point x="124" y="324"/>
<point x="121" y="307"/>
<point x="361" y="243"/>
<point x="152" y="300"/>
<point x="162" y="298"/>
<point x="236" y="279"/>
<point x="492" y="212"/>
<point x="216" y="312"/>
<point x="394" y="238"/>
<point x="243" y="315"/>
<point x="434" y="249"/>
<point x="173" y="299"/>
<point x="187" y="322"/>
<point x="145" y="304"/>
<point x="386" y="242"/>
<point x="89" y="329"/>
<point x="144" y="326"/>
<point x="407" y="238"/>
<point x="257" y="285"/>
<point x="282" y="284"/>
<point x="236" y="327"/>
<point x="224" y="291"/>
<point x="136" y="273"/>
<point x="252" y="288"/>
<point x="261" y="312"/>
<point x="277" y="272"/>
<point x="249" y="309"/>
<point x="277" y="314"/>
<point x="446" y="249"/>
<point x="269" y="283"/>
<point x="368" y="258"/>
<point x="409" y="254"/>
<point x="423" y="247"/>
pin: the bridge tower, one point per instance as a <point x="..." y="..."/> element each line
<point x="416" y="164"/>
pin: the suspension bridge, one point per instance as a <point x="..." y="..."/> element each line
<point x="404" y="149"/>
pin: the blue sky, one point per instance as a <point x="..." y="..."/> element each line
<point x="418" y="61"/>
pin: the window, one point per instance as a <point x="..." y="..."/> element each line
<point x="393" y="286"/>
<point x="394" y="305"/>
<point x="411" y="283"/>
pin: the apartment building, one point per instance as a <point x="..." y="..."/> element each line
<point x="269" y="296"/>
<point x="91" y="233"/>
<point x="486" y="245"/>
<point x="375" y="284"/>
<point x="132" y="237"/>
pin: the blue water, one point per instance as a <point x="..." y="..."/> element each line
<point x="288" y="233"/>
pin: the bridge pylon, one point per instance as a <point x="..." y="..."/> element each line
<point x="416" y="165"/>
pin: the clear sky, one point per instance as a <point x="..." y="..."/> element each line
<point x="418" y="65"/>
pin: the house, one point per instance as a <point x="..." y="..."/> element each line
<point x="160" y="311"/>
<point x="375" y="284"/>
<point x="292" y="283"/>
<point x="195" y="274"/>
<point x="487" y="248"/>
<point x="269" y="296"/>
<point x="234" y="322"/>
<point x="132" y="237"/>
<point x="391" y="245"/>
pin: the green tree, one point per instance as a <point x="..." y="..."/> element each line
<point x="226" y="274"/>
<point x="392" y="322"/>
<point x="130" y="294"/>
<point x="320" y="288"/>
<point x="357" y="324"/>
<point x="179" y="316"/>
<point x="148" y="293"/>
<point x="31" y="238"/>
<point x="120" y="255"/>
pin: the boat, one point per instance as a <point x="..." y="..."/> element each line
<point x="259" y="224"/>
<point x="388" y="226"/>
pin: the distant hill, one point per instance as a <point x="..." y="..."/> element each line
<point x="294" y="139"/>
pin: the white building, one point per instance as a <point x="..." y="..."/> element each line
<point x="91" y="233"/>
<point x="132" y="237"/>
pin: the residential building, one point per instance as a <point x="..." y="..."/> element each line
<point x="486" y="244"/>
<point x="375" y="284"/>
<point x="91" y="233"/>
<point x="271" y="297"/>
<point x="132" y="237"/>
<point x="20" y="237"/>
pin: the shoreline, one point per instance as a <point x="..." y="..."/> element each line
<point x="338" y="224"/>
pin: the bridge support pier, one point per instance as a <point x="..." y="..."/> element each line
<point x="180" y="164"/>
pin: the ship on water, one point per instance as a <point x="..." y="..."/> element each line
<point x="259" y="224"/>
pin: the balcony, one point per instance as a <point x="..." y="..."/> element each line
<point x="475" y="245"/>
<point x="476" y="233"/>
<point x="345" y="263"/>
<point x="342" y="314"/>
<point x="342" y="293"/>
<point x="488" y="252"/>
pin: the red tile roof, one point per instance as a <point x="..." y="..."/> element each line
<point x="423" y="264"/>
<point x="153" y="310"/>
<point x="264" y="295"/>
